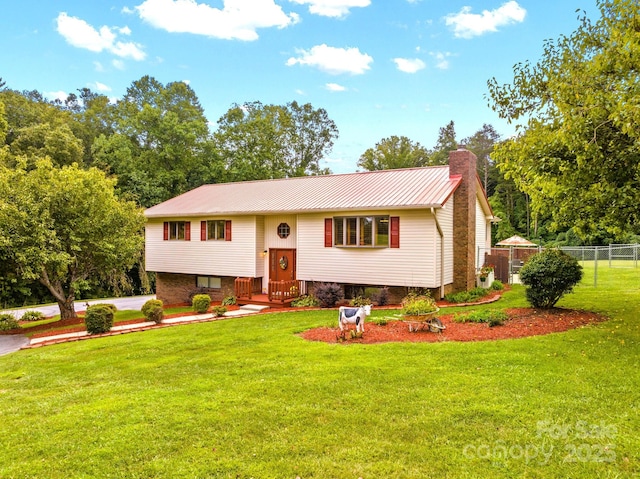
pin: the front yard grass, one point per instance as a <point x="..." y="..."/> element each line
<point x="247" y="397"/>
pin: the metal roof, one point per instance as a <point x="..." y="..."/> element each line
<point x="387" y="189"/>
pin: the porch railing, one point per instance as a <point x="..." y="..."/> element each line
<point x="243" y="288"/>
<point x="284" y="291"/>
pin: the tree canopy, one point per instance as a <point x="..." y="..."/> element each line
<point x="394" y="152"/>
<point x="66" y="228"/>
<point x="577" y="154"/>
<point x="257" y="141"/>
<point x="159" y="142"/>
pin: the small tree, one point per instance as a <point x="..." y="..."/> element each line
<point x="548" y="276"/>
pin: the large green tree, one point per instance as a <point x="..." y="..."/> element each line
<point x="394" y="152"/>
<point x="36" y="129"/>
<point x="259" y="141"/>
<point x="445" y="143"/>
<point x="66" y="228"/>
<point x="577" y="154"/>
<point x="159" y="146"/>
<point x="481" y="143"/>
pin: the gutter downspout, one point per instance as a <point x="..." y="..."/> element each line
<point x="433" y="212"/>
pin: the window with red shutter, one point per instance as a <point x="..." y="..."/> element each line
<point x="203" y="231"/>
<point x="166" y="230"/>
<point x="394" y="239"/>
<point x="187" y="231"/>
<point x="227" y="230"/>
<point x="328" y="232"/>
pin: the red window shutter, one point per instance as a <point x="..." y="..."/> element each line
<point x="395" y="232"/>
<point x="203" y="231"/>
<point x="187" y="231"/>
<point x="328" y="232"/>
<point x="166" y="230"/>
<point x="227" y="230"/>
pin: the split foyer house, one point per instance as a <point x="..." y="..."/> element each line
<point x="405" y="228"/>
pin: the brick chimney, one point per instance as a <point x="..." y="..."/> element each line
<point x="463" y="163"/>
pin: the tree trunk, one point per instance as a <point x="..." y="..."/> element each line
<point x="67" y="309"/>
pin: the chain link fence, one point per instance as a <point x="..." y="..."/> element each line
<point x="610" y="265"/>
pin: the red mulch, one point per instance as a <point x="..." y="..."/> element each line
<point x="77" y="324"/>
<point x="522" y="322"/>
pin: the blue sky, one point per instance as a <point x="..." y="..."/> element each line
<point x="379" y="67"/>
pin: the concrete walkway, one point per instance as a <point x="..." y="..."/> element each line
<point x="12" y="343"/>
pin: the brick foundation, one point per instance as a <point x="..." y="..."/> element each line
<point x="179" y="288"/>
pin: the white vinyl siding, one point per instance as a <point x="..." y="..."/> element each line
<point x="271" y="238"/>
<point x="483" y="231"/>
<point x="238" y="257"/>
<point x="445" y="218"/>
<point x="413" y="264"/>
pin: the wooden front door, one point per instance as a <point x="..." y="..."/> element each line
<point x="282" y="264"/>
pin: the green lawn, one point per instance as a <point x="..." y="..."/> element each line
<point x="246" y="397"/>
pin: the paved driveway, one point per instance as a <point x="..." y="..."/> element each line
<point x="12" y="342"/>
<point x="132" y="302"/>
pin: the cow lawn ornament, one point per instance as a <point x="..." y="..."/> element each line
<point x="347" y="315"/>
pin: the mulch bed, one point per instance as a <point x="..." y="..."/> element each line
<point x="522" y="322"/>
<point x="77" y="325"/>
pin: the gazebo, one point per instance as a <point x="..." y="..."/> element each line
<point x="516" y="263"/>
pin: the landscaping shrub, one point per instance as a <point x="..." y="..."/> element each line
<point x="328" y="294"/>
<point x="219" y="310"/>
<point x="490" y="316"/>
<point x="32" y="316"/>
<point x="112" y="307"/>
<point x="415" y="305"/>
<point x="152" y="310"/>
<point x="466" y="296"/>
<point x="306" y="301"/>
<point x="201" y="303"/>
<point x="8" y="322"/>
<point x="229" y="300"/>
<point x="497" y="285"/>
<point x="548" y="276"/>
<point x="98" y="319"/>
<point x="379" y="296"/>
<point x="360" y="301"/>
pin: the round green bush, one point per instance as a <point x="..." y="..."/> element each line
<point x="201" y="303"/>
<point x="98" y="319"/>
<point x="112" y="307"/>
<point x="8" y="322"/>
<point x="153" y="311"/>
<point x="548" y="276"/>
<point x="32" y="316"/>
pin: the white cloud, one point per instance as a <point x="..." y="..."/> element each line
<point x="119" y="64"/>
<point x="101" y="86"/>
<point x="441" y="58"/>
<point x="80" y="34"/>
<point x="467" y="25"/>
<point x="332" y="8"/>
<point x="335" y="87"/>
<point x="333" y="60"/>
<point x="237" y="20"/>
<point x="98" y="66"/>
<point x="56" y="95"/>
<point x="409" y="65"/>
